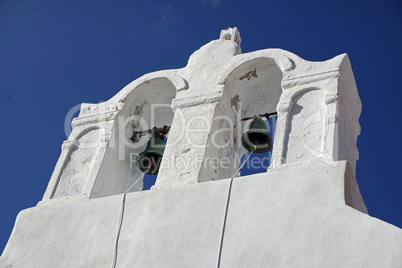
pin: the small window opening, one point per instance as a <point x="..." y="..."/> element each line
<point x="227" y="36"/>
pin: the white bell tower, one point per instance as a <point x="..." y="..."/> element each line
<point x="305" y="210"/>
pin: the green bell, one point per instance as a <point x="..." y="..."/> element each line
<point x="257" y="139"/>
<point x="150" y="159"/>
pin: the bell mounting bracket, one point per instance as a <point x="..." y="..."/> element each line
<point x="259" y="116"/>
<point x="161" y="132"/>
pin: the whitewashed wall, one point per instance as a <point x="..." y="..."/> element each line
<point x="305" y="211"/>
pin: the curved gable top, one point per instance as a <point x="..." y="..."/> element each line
<point x="178" y="82"/>
<point x="291" y="65"/>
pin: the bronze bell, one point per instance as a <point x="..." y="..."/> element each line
<point x="257" y="139"/>
<point x="150" y="159"/>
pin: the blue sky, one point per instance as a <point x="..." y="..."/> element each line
<point x="57" y="54"/>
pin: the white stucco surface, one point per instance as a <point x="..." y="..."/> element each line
<point x="291" y="218"/>
<point x="79" y="234"/>
<point x="284" y="219"/>
<point x="305" y="211"/>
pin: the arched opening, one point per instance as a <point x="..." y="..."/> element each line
<point x="147" y="106"/>
<point x="253" y="88"/>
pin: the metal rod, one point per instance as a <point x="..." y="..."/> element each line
<point x="165" y="129"/>
<point x="161" y="130"/>
<point x="267" y="115"/>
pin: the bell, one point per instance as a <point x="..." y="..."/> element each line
<point x="149" y="160"/>
<point x="257" y="139"/>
